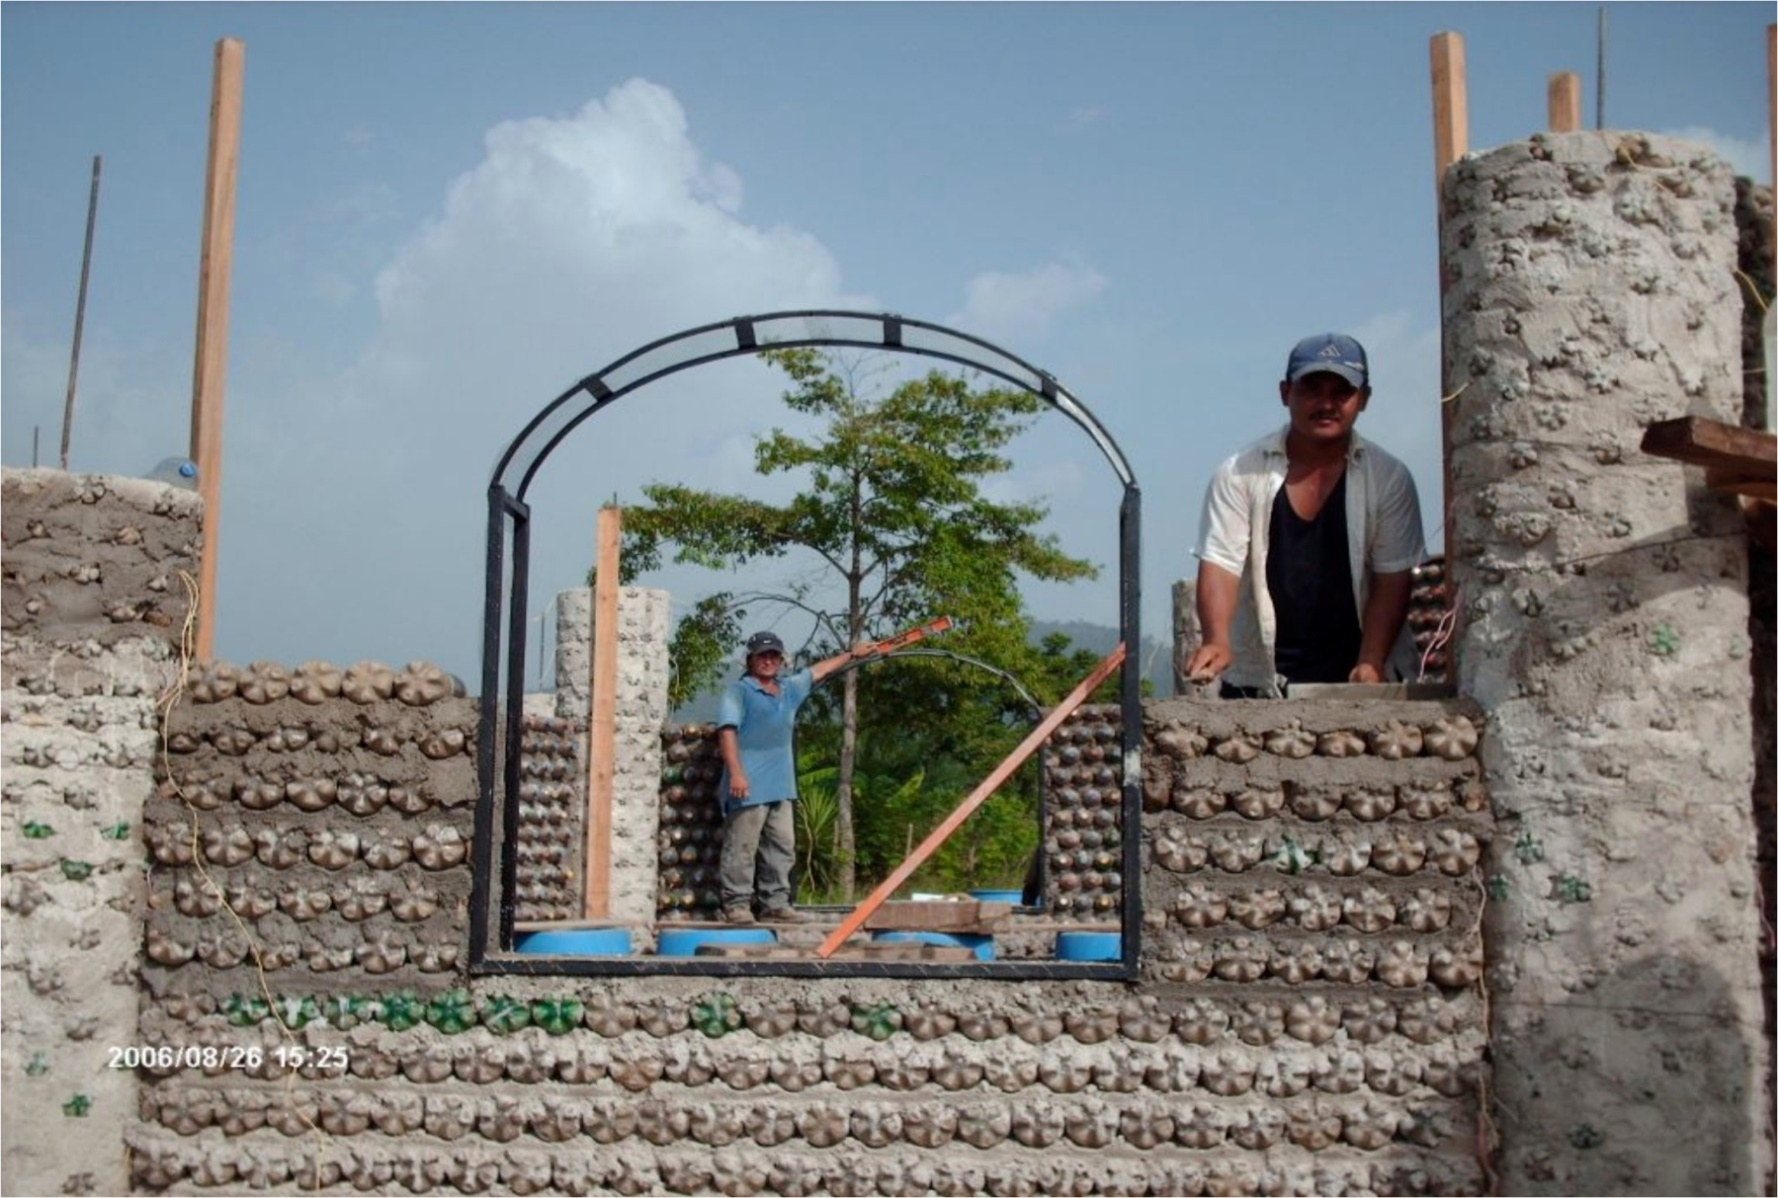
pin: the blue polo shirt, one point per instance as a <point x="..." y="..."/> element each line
<point x="764" y="726"/>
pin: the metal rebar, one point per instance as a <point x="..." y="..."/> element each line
<point x="86" y="263"/>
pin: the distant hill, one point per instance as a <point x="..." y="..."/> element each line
<point x="1096" y="638"/>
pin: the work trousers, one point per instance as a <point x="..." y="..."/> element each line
<point x="758" y="849"/>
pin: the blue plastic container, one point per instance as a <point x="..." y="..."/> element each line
<point x="684" y="942"/>
<point x="1089" y="946"/>
<point x="1015" y="897"/>
<point x="576" y="942"/>
<point x="982" y="946"/>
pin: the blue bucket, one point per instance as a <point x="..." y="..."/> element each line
<point x="1015" y="897"/>
<point x="576" y="942"/>
<point x="981" y="945"/>
<point x="684" y="942"/>
<point x="1089" y="946"/>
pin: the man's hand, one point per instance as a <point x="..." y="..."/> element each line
<point x="1208" y="662"/>
<point x="737" y="784"/>
<point x="1364" y="671"/>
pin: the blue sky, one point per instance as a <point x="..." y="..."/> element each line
<point x="449" y="212"/>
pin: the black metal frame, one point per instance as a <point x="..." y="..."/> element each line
<point x="509" y="521"/>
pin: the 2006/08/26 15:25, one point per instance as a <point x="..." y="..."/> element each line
<point x="234" y="1056"/>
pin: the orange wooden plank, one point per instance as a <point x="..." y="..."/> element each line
<point x="1450" y="134"/>
<point x="602" y="734"/>
<point x="976" y="798"/>
<point x="209" y="372"/>
<point x="1450" y="105"/>
<point x="1564" y="98"/>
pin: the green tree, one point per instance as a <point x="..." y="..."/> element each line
<point x="893" y="515"/>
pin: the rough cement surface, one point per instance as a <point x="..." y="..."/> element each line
<point x="1603" y="599"/>
<point x="779" y="1086"/>
<point x="642" y="671"/>
<point x="311" y="832"/>
<point x="1290" y="1062"/>
<point x="93" y="600"/>
<point x="551" y="829"/>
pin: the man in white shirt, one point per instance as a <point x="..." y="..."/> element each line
<point x="1308" y="541"/>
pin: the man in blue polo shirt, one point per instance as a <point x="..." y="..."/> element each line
<point x="756" y="720"/>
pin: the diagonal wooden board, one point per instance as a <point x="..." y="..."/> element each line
<point x="976" y="798"/>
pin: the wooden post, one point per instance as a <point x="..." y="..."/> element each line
<point x="1188" y="634"/>
<point x="976" y="798"/>
<point x="1450" y="132"/>
<point x="1450" y="105"/>
<point x="1564" y="96"/>
<point x="210" y="367"/>
<point x="602" y="734"/>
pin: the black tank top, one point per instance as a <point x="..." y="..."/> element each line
<point x="1309" y="575"/>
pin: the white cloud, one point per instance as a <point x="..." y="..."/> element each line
<point x="360" y="509"/>
<point x="1748" y="157"/>
<point x="1082" y="117"/>
<point x="1023" y="305"/>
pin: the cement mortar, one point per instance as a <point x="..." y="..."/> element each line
<point x="1603" y="630"/>
<point x="94" y="594"/>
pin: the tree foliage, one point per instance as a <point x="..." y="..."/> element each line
<point x="892" y="514"/>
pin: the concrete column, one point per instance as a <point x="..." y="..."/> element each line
<point x="1603" y="599"/>
<point x="643" y="630"/>
<point x="95" y="597"/>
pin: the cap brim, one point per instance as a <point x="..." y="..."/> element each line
<point x="1352" y="374"/>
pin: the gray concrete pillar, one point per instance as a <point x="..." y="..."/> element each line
<point x="642" y="636"/>
<point x="95" y="599"/>
<point x="1603" y="599"/>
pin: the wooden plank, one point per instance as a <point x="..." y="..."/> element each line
<point x="950" y="915"/>
<point x="1564" y="97"/>
<point x="1703" y="442"/>
<point x="1450" y="106"/>
<point x="210" y="368"/>
<point x="602" y="734"/>
<point x="1728" y="481"/>
<point x="976" y="798"/>
<point x="1450" y="136"/>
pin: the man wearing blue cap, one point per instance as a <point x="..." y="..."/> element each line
<point x="756" y="722"/>
<point x="1308" y="541"/>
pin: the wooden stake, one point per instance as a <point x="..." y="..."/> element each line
<point x="86" y="265"/>
<point x="1450" y="134"/>
<point x="976" y="798"/>
<point x="602" y="734"/>
<point x="1450" y="106"/>
<point x="1564" y="96"/>
<point x="210" y="367"/>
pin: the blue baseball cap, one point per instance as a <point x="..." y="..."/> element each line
<point x="764" y="642"/>
<point x="1332" y="352"/>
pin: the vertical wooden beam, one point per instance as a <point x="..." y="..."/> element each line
<point x="1450" y="106"/>
<point x="211" y="361"/>
<point x="602" y="734"/>
<point x="1564" y="96"/>
<point x="1772" y="125"/>
<point x="976" y="798"/>
<point x="1450" y="134"/>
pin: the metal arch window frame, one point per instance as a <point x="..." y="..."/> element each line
<point x="509" y="524"/>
